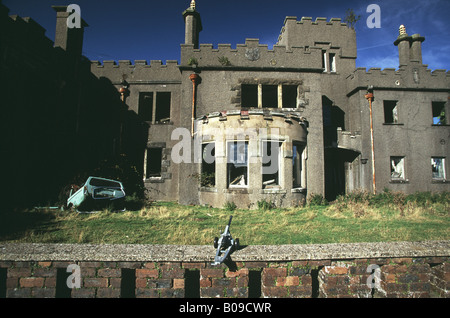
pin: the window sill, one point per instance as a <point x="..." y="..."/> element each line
<point x="440" y="125"/>
<point x="208" y="189"/>
<point x="439" y="181"/>
<point x="393" y="124"/>
<point x="274" y="190"/>
<point x="154" y="180"/>
<point x="298" y="190"/>
<point x="240" y="190"/>
<point x="399" y="181"/>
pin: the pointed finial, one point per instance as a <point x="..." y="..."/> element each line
<point x="402" y="30"/>
<point x="192" y="5"/>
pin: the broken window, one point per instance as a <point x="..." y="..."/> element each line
<point x="270" y="164"/>
<point x="208" y="175"/>
<point x="163" y="100"/>
<point x="249" y="95"/>
<point x="390" y="112"/>
<point x="332" y="58"/>
<point x="289" y="96"/>
<point x="145" y="110"/>
<point x="297" y="150"/>
<point x="438" y="168"/>
<point x="439" y="117"/>
<point x="237" y="163"/>
<point x="270" y="96"/>
<point x="398" y="168"/>
<point x="153" y="162"/>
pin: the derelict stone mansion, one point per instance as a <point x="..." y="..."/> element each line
<point x="326" y="126"/>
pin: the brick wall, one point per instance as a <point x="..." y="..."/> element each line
<point x="422" y="277"/>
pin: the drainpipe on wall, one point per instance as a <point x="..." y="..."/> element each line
<point x="193" y="77"/>
<point x="369" y="97"/>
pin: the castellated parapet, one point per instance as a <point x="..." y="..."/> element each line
<point x="252" y="54"/>
<point x="413" y="77"/>
<point x="139" y="71"/>
<point x="323" y="33"/>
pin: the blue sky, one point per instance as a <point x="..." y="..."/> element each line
<point x="153" y="30"/>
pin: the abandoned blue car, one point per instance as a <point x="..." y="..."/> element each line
<point x="96" y="194"/>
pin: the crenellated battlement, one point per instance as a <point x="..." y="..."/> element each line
<point x="318" y="32"/>
<point x="251" y="54"/>
<point x="27" y="25"/>
<point x="130" y="64"/>
<point x="319" y="21"/>
<point x="138" y="71"/>
<point x="403" y="78"/>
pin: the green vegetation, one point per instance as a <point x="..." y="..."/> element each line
<point x="357" y="217"/>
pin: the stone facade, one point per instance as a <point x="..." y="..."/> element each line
<point x="331" y="127"/>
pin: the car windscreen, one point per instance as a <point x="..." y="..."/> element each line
<point x="104" y="183"/>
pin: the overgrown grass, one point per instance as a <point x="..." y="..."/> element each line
<point x="357" y="217"/>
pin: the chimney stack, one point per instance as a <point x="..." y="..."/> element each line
<point x="68" y="38"/>
<point x="193" y="25"/>
<point x="409" y="47"/>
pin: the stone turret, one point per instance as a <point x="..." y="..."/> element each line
<point x="193" y="25"/>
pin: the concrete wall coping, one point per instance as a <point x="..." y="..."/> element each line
<point x="204" y="253"/>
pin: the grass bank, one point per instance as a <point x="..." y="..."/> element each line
<point x="358" y="217"/>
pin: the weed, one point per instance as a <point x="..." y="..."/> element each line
<point x="265" y="205"/>
<point x="316" y="200"/>
<point x="230" y="206"/>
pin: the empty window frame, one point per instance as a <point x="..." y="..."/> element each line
<point x="270" y="96"/>
<point x="324" y="61"/>
<point x="297" y="162"/>
<point x="237" y="164"/>
<point x="289" y="96"/>
<point x="271" y="164"/>
<point x="163" y="101"/>
<point x="208" y="174"/>
<point x="438" y="168"/>
<point x="155" y="110"/>
<point x="397" y="168"/>
<point x="439" y="113"/>
<point x="332" y="60"/>
<point x="145" y="108"/>
<point x="249" y="95"/>
<point x="390" y="112"/>
<point x="153" y="160"/>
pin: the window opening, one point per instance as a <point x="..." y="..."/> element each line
<point x="208" y="175"/>
<point x="289" y="97"/>
<point x="249" y="95"/>
<point x="297" y="166"/>
<point x="270" y="164"/>
<point x="438" y="168"/>
<point x="163" y="100"/>
<point x="146" y="106"/>
<point x="390" y="112"/>
<point x="332" y="58"/>
<point x="237" y="162"/>
<point x="398" y="168"/>
<point x="324" y="60"/>
<point x="270" y="96"/>
<point x="153" y="165"/>
<point x="439" y="115"/>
